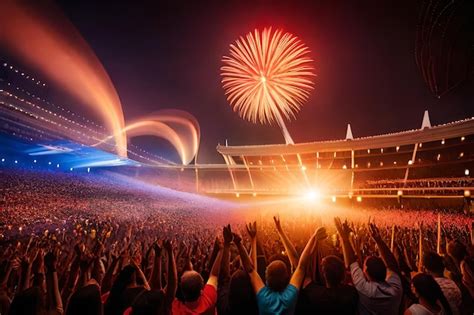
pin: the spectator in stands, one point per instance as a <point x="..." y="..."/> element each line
<point x="431" y="299"/>
<point x="434" y="266"/>
<point x="334" y="297"/>
<point x="379" y="285"/>
<point x="198" y="298"/>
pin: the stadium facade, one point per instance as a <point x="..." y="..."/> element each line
<point x="430" y="162"/>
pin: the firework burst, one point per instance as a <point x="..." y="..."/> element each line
<point x="267" y="76"/>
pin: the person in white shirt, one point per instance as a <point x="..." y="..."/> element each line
<point x="378" y="284"/>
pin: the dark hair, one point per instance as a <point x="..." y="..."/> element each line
<point x="149" y="303"/>
<point x="191" y="285"/>
<point x="433" y="262"/>
<point x="85" y="300"/>
<point x="115" y="303"/>
<point x="427" y="288"/>
<point x="28" y="302"/>
<point x="376" y="268"/>
<point x="457" y="250"/>
<point x="277" y="276"/>
<point x="241" y="297"/>
<point x="333" y="270"/>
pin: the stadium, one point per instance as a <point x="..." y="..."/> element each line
<point x="120" y="192"/>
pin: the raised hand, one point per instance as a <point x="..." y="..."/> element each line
<point x="374" y="232"/>
<point x="237" y="238"/>
<point x="276" y="219"/>
<point x="321" y="234"/>
<point x="157" y="249"/>
<point x="252" y="229"/>
<point x="227" y="234"/>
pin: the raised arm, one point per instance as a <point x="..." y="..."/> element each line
<point x="289" y="247"/>
<point x="54" y="301"/>
<point x="298" y="276"/>
<point x="348" y="251"/>
<point x="385" y="253"/>
<point x="214" y="274"/>
<point x="255" y="279"/>
<point x="225" y="261"/>
<point x="172" y="283"/>
<point x="155" y="278"/>
<point x="252" y="232"/>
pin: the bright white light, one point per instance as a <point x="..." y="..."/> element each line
<point x="3" y="160"/>
<point x="463" y="138"/>
<point x="49" y="163"/>
<point x="303" y="168"/>
<point x="237" y="195"/>
<point x="466" y="172"/>
<point x="410" y="162"/>
<point x="400" y="193"/>
<point x="443" y="142"/>
<point x="467" y="193"/>
<point x="34" y="161"/>
<point x="16" y="162"/>
<point x="359" y="198"/>
<point x="88" y="170"/>
<point x="313" y="195"/>
<point x="254" y="194"/>
<point x="71" y="169"/>
<point x="333" y="198"/>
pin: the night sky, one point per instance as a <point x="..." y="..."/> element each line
<point x="167" y="54"/>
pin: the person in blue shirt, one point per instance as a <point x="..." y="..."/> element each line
<point x="280" y="293"/>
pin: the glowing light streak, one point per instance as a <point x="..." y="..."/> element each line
<point x="62" y="55"/>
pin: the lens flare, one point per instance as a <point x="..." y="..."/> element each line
<point x="267" y="76"/>
<point x="51" y="44"/>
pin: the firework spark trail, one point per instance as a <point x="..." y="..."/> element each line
<point x="268" y="76"/>
<point x="53" y="46"/>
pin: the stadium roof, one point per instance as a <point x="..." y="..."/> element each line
<point x="445" y="131"/>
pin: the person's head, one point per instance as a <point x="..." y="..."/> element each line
<point x="277" y="275"/>
<point x="85" y="300"/>
<point x="241" y="291"/>
<point x="374" y="269"/>
<point x="191" y="285"/>
<point x="457" y="250"/>
<point x="333" y="270"/>
<point x="425" y="287"/>
<point x="433" y="263"/>
<point x="28" y="302"/>
<point x="149" y="303"/>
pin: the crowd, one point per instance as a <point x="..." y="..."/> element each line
<point x="84" y="245"/>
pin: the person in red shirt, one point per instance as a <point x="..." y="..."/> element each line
<point x="198" y="298"/>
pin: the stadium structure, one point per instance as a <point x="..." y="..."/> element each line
<point x="414" y="163"/>
<point x="432" y="162"/>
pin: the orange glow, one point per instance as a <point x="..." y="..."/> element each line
<point x="53" y="46"/>
<point x="267" y="75"/>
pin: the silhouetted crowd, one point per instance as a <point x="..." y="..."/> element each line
<point x="84" y="246"/>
